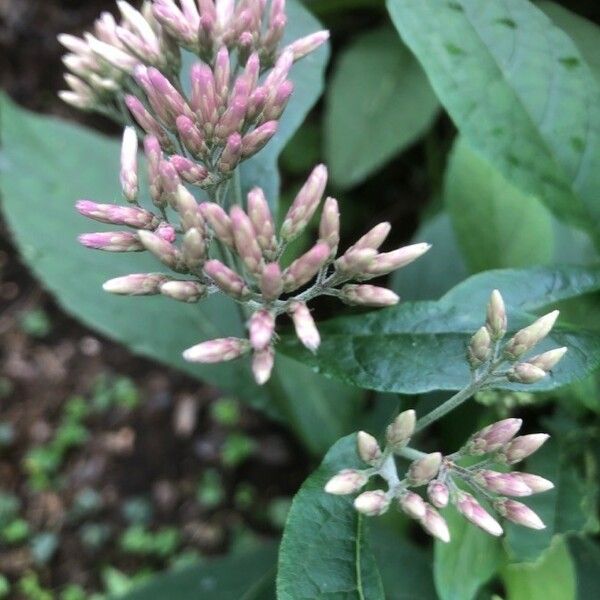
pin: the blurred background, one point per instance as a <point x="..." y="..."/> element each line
<point x="113" y="467"/>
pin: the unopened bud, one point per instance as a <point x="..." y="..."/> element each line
<point x="188" y="209"/>
<point x="372" y="504"/>
<point x="527" y="338"/>
<point x="194" y="249"/>
<point x="480" y="348"/>
<point x="304" y="205"/>
<point x="305" y="327"/>
<point x="368" y="448"/>
<point x="136" y="284"/>
<point x="329" y="227"/>
<point x="535" y="483"/>
<point x="218" y="350"/>
<point x="261" y="327"/>
<point x="525" y="373"/>
<point x="262" y="365"/>
<point x="345" y="482"/>
<point x="522" y="447"/>
<point x="271" y="282"/>
<point x="496" y="316"/>
<point x="438" y="494"/>
<point x="374" y="238"/>
<point x="434" y="524"/>
<point x="474" y="512"/>
<point x="506" y="484"/>
<point x="219" y="221"/>
<point x="227" y="280"/>
<point x="300" y="48"/>
<point x="246" y="243"/>
<point x="256" y="140"/>
<point x="232" y="153"/>
<point x="166" y="252"/>
<point x="262" y="221"/>
<point x="413" y="505"/>
<point x="190" y="135"/>
<point x="189" y="170"/>
<point x="423" y="470"/>
<point x="368" y="295"/>
<point x="518" y="513"/>
<point x="400" y="431"/>
<point x="184" y="291"/>
<point x="304" y="268"/>
<point x="548" y="360"/>
<point x="387" y="262"/>
<point x="129" y="177"/>
<point x="493" y="437"/>
<point x="355" y="261"/>
<point x="112" y="241"/>
<point x="131" y="216"/>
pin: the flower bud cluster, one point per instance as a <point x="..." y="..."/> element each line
<point x="486" y="351"/>
<point x="445" y="480"/>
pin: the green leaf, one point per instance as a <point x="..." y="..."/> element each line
<point x="519" y="91"/>
<point x="324" y="552"/>
<point x="240" y="577"/>
<point x="586" y="556"/>
<point x="471" y="559"/>
<point x="379" y="102"/>
<point x="419" y="347"/>
<point x="550" y="578"/>
<point x="562" y="509"/>
<point x="483" y="205"/>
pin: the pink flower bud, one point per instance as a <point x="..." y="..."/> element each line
<point x="184" y="291"/>
<point x="413" y="505"/>
<point x="346" y="482"/>
<point x="204" y="100"/>
<point x="129" y="178"/>
<point x="166" y="232"/>
<point x="494" y="436"/>
<point x="438" y="494"/>
<point x="518" y="513"/>
<point x="112" y="241"/>
<point x="329" y="227"/>
<point x="535" y="483"/>
<point x="300" y="48"/>
<point x="281" y="70"/>
<point x="271" y="282"/>
<point x="232" y="154"/>
<point x="387" y="262"/>
<point x="136" y="284"/>
<point x="112" y="55"/>
<point x="226" y="279"/>
<point x="506" y="484"/>
<point x="305" y="327"/>
<point x="194" y="249"/>
<point x="118" y="215"/>
<point x="189" y="212"/>
<point x="262" y="327"/>
<point x="246" y="243"/>
<point x="169" y="100"/>
<point x="368" y="448"/>
<point x="474" y="512"/>
<point x="548" y="360"/>
<point x="399" y="432"/>
<point x="169" y="179"/>
<point x="522" y="447"/>
<point x="232" y="120"/>
<point x="219" y="350"/>
<point x="496" y="316"/>
<point x="277" y="23"/>
<point x="188" y="170"/>
<point x="434" y="524"/>
<point x="423" y="470"/>
<point x="304" y="268"/>
<point x="219" y="222"/>
<point x="190" y="136"/>
<point x="355" y="261"/>
<point x="368" y="295"/>
<point x="256" y="140"/>
<point x="305" y="204"/>
<point x="262" y="365"/>
<point x="275" y="104"/>
<point x="140" y="27"/>
<point x="527" y="338"/>
<point x="372" y="504"/>
<point x="222" y="74"/>
<point x="525" y="373"/>
<point x="480" y="348"/>
<point x="256" y="104"/>
<point x="154" y="157"/>
<point x="166" y="252"/>
<point x="262" y="221"/>
<point x="374" y="238"/>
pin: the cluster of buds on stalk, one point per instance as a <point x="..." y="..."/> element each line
<point x="444" y="481"/>
<point x="487" y="353"/>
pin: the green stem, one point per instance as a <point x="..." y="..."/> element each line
<point x="411" y="453"/>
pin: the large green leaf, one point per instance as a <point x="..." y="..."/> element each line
<point x="418" y="347"/>
<point x="550" y="578"/>
<point x="586" y="556"/>
<point x="483" y="205"/>
<point x="471" y="559"/>
<point x="520" y="92"/>
<point x="248" y="576"/>
<point x="324" y="552"/>
<point x="379" y="102"/>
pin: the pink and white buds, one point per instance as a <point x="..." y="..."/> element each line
<point x="399" y="432"/>
<point x="183" y="291"/>
<point x="506" y="484"/>
<point x="548" y="360"/>
<point x="522" y="447"/>
<point x="518" y="513"/>
<point x="129" y="177"/>
<point x="387" y="262"/>
<point x="494" y="436"/>
<point x="346" y="482"/>
<point x="165" y="251"/>
<point x="373" y="238"/>
<point x="245" y="240"/>
<point x="219" y="350"/>
<point x="474" y="512"/>
<point x="496" y="316"/>
<point x="300" y="48"/>
<point x="262" y="365"/>
<point x="262" y="327"/>
<point x="368" y="295"/>
<point x="262" y="222"/>
<point x="438" y="493"/>
<point x="219" y="222"/>
<point x="527" y="338"/>
<point x="305" y="327"/>
<point x="535" y="483"/>
<point x="423" y="470"/>
<point x="130" y="216"/>
<point x="329" y="227"/>
<point x="112" y="241"/>
<point x="355" y="261"/>
<point x="480" y="348"/>
<point x="303" y="269"/>
<point x="194" y="249"/>
<point x="413" y="505"/>
<point x="136" y="284"/>
<point x="271" y="282"/>
<point x="226" y="279"/>
<point x="257" y="139"/>
<point x="434" y="524"/>
<point x="525" y="373"/>
<point x="372" y="504"/>
<point x="368" y="448"/>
